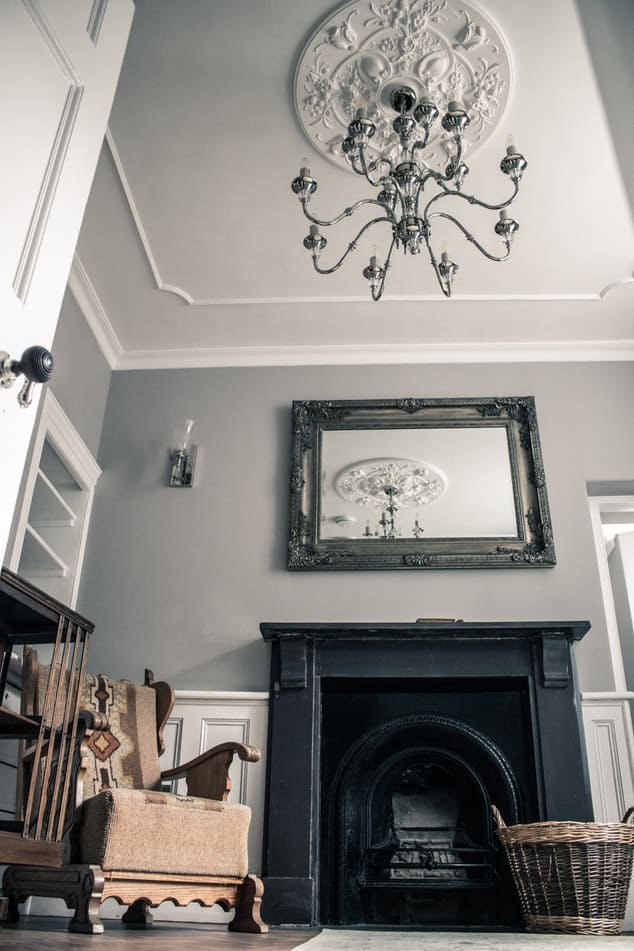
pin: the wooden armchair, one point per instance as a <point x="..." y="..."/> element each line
<point x="131" y="840"/>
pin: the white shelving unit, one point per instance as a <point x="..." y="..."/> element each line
<point x="54" y="509"/>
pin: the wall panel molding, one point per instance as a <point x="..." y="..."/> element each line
<point x="59" y="148"/>
<point x="608" y="728"/>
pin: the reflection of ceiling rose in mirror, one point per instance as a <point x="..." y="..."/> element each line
<point x="415" y="483"/>
<point x="443" y="49"/>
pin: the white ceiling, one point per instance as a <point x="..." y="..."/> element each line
<point x="191" y="249"/>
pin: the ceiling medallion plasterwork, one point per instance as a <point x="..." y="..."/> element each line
<point x="413" y="483"/>
<point x="445" y="49"/>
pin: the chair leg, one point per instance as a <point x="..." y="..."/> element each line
<point x="247" y="917"/>
<point x="9" y="910"/>
<point x="138" y="915"/>
<point x="86" y="901"/>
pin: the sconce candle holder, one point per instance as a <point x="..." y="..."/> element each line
<point x="183" y="459"/>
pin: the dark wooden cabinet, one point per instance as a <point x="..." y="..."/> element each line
<point x="50" y="743"/>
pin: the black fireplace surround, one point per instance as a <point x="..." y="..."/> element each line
<point x="388" y="743"/>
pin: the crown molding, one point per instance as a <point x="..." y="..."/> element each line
<point x="94" y="313"/>
<point x="557" y="351"/>
<point x="554" y="351"/>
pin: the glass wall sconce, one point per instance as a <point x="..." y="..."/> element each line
<point x="183" y="458"/>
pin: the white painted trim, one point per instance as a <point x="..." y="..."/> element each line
<point x="378" y="354"/>
<point x="611" y="764"/>
<point x="59" y="148"/>
<point x="94" y="313"/>
<point x="55" y="425"/>
<point x="602" y="696"/>
<point x="77" y="455"/>
<point x="598" y="504"/>
<point x="222" y="696"/>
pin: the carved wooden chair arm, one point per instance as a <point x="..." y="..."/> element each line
<point x="208" y="774"/>
<point x="87" y="722"/>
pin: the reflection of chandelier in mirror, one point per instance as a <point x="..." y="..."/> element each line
<point x="417" y="58"/>
<point x="390" y="484"/>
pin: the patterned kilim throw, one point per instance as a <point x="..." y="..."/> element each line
<point x="125" y="755"/>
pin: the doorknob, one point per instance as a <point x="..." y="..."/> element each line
<point x="36" y="365"/>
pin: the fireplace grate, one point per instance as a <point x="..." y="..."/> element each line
<point x="428" y="857"/>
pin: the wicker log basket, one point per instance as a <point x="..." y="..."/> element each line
<point x="572" y="877"/>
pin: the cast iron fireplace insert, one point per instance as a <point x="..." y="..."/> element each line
<point x="387" y="745"/>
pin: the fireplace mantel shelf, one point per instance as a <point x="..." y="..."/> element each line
<point x="403" y="630"/>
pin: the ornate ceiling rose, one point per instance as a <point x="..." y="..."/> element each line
<point x="414" y="482"/>
<point x="357" y="57"/>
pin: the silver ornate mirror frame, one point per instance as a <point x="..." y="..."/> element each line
<point x="320" y="539"/>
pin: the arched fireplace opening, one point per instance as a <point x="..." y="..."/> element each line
<point x="408" y="832"/>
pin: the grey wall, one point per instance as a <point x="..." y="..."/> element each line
<point x="82" y="375"/>
<point x="178" y="579"/>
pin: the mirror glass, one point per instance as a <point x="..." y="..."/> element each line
<point x="441" y="483"/>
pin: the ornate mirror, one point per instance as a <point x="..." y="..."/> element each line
<point x="418" y="483"/>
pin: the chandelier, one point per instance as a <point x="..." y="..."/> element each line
<point x="401" y="196"/>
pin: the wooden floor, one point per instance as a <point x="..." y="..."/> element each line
<point x="50" y="934"/>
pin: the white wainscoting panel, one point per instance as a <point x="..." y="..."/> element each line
<point x="607" y="721"/>
<point x="200" y="720"/>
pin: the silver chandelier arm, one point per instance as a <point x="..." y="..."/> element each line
<point x="377" y="294"/>
<point x="471" y="199"/>
<point x="346" y="213"/>
<point x="445" y="288"/>
<point x="468" y="236"/>
<point x="382" y="160"/>
<point x="351" y="247"/>
<point x="420" y="143"/>
<point x="365" y="171"/>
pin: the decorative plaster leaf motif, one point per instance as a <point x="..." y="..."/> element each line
<point x="439" y="48"/>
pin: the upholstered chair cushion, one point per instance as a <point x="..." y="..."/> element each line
<point x="125" y="756"/>
<point x="141" y="830"/>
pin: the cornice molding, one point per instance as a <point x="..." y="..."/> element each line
<point x="94" y="313"/>
<point x="558" y="351"/>
<point x="563" y="351"/>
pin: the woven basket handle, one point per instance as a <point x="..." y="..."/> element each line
<point x="497" y="816"/>
<point x="629" y="816"/>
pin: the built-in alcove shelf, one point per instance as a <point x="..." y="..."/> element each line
<point x="39" y="559"/>
<point x="49" y="507"/>
<point x="54" y="511"/>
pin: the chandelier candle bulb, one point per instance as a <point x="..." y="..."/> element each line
<point x="304" y="171"/>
